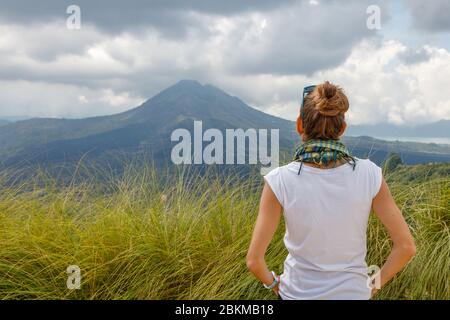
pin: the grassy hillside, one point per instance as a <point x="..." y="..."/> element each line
<point x="146" y="235"/>
<point x="422" y="172"/>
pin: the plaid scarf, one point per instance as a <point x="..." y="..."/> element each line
<point x="322" y="152"/>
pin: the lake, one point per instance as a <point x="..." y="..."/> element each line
<point x="438" y="140"/>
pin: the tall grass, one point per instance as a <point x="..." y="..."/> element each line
<point x="150" y="235"/>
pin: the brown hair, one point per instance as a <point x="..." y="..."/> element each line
<point x="324" y="112"/>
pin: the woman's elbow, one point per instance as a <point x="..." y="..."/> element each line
<point x="252" y="263"/>
<point x="409" y="249"/>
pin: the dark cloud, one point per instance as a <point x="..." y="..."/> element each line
<point x="305" y="38"/>
<point x="430" y="15"/>
<point x="411" y="56"/>
<point x="171" y="17"/>
<point x="130" y="50"/>
<point x="266" y="37"/>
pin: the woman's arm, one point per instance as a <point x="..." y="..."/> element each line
<point x="266" y="225"/>
<point x="403" y="248"/>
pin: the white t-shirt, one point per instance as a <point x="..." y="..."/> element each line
<point x="326" y="214"/>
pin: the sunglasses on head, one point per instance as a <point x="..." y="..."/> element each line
<point x="306" y="90"/>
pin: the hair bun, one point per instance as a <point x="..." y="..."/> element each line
<point x="330" y="100"/>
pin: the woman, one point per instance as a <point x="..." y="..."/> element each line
<point x="326" y="195"/>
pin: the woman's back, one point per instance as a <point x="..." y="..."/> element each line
<point x="326" y="213"/>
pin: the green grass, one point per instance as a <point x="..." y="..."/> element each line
<point x="148" y="235"/>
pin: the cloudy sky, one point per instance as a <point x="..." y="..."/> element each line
<point x="263" y="51"/>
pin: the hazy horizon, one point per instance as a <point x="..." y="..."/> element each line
<point x="14" y="118"/>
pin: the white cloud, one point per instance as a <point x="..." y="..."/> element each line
<point x="383" y="88"/>
<point x="380" y="86"/>
<point x="119" y="100"/>
<point x="40" y="99"/>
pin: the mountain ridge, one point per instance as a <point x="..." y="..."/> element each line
<point x="438" y="129"/>
<point x="149" y="124"/>
<point x="148" y="127"/>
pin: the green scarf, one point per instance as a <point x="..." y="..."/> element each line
<point x="322" y="152"/>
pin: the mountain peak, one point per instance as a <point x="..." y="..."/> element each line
<point x="190" y="89"/>
<point x="189" y="99"/>
<point x="188" y="83"/>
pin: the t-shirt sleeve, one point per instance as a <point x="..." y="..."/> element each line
<point x="377" y="178"/>
<point x="273" y="179"/>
